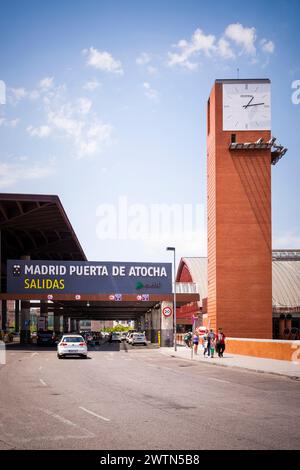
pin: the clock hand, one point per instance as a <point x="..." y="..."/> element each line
<point x="256" y="104"/>
<point x="246" y="105"/>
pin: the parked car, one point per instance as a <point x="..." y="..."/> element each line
<point x="129" y="334"/>
<point x="137" y="338"/>
<point x="46" y="338"/>
<point x="116" y="336"/>
<point x="72" y="345"/>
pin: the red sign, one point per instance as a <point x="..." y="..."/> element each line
<point x="167" y="311"/>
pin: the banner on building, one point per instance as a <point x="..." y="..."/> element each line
<point x="85" y="277"/>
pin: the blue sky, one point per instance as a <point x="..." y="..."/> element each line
<point x="105" y="106"/>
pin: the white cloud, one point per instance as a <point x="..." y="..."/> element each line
<point x="267" y="46"/>
<point x="9" y="123"/>
<point x="13" y="173"/>
<point x="242" y="36"/>
<point x="18" y="93"/>
<point x="103" y="60"/>
<point x="236" y="40"/>
<point x="91" y="85"/>
<point x="84" y="105"/>
<point x="46" y="83"/>
<point x="76" y="121"/>
<point x="150" y="92"/>
<point x="143" y="59"/>
<point x="224" y="49"/>
<point x="152" y="70"/>
<point x="199" y="43"/>
<point x="41" y="131"/>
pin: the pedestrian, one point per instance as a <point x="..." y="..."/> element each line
<point x="210" y="337"/>
<point x="187" y="339"/>
<point x="212" y="348"/>
<point x="205" y="344"/>
<point x="220" y="342"/>
<point x="196" y="342"/>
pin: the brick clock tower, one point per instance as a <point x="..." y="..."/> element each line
<point x="240" y="152"/>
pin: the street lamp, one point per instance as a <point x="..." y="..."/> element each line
<point x="172" y="248"/>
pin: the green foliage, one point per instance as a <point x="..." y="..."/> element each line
<point x="117" y="328"/>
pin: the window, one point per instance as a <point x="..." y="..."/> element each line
<point x="233" y="138"/>
<point x="208" y="117"/>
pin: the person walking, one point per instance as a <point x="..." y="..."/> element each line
<point x="212" y="348"/>
<point x="210" y="338"/>
<point x="187" y="339"/>
<point x="220" y="342"/>
<point x="196" y="342"/>
<point x="205" y="344"/>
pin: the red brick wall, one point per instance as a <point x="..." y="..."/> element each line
<point x="239" y="231"/>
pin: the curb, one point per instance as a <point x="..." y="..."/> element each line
<point x="257" y="371"/>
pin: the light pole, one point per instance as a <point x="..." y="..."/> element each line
<point x="172" y="248"/>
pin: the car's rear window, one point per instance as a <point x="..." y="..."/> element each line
<point x="75" y="339"/>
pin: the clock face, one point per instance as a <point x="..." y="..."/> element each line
<point x="246" y="106"/>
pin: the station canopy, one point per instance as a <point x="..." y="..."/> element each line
<point x="37" y="226"/>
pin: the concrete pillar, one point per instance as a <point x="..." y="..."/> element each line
<point x="44" y="312"/>
<point x="166" y="334"/>
<point x="78" y="326"/>
<point x="17" y="316"/>
<point x="288" y="323"/>
<point x="4" y="315"/>
<point x="65" y="324"/>
<point x="25" y="316"/>
<point x="281" y="326"/>
<point x="56" y="323"/>
<point x="25" y="322"/>
<point x="155" y="324"/>
<point x="73" y="325"/>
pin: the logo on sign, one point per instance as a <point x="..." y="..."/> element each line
<point x="16" y="270"/>
<point x="167" y="312"/>
<point x="143" y="297"/>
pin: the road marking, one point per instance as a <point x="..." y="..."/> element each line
<point x="43" y="383"/>
<point x="94" y="414"/>
<point x="34" y="354"/>
<point x="63" y="420"/>
<point x="219" y="380"/>
<point x="59" y="418"/>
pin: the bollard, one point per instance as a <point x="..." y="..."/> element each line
<point x="2" y="353"/>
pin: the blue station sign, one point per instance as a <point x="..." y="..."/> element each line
<point x="87" y="277"/>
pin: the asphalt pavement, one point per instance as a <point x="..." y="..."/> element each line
<point x="126" y="397"/>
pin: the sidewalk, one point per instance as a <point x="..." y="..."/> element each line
<point x="256" y="364"/>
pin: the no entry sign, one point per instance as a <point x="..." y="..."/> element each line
<point x="167" y="311"/>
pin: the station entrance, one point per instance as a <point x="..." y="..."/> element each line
<point x="43" y="267"/>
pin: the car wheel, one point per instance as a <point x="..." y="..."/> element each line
<point x="59" y="356"/>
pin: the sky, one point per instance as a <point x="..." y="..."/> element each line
<point x="105" y="106"/>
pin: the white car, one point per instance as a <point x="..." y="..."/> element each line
<point x="71" y="345"/>
<point x="116" y="336"/>
<point x="137" y="338"/>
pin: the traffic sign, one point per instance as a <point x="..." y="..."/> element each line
<point x="167" y="311"/>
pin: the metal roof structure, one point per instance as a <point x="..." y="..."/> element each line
<point x="198" y="270"/>
<point x="285" y="278"/>
<point x="37" y="225"/>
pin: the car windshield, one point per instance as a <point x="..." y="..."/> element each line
<point x="138" y="334"/>
<point x="75" y="339"/>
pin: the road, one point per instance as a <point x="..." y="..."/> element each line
<point x="137" y="398"/>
